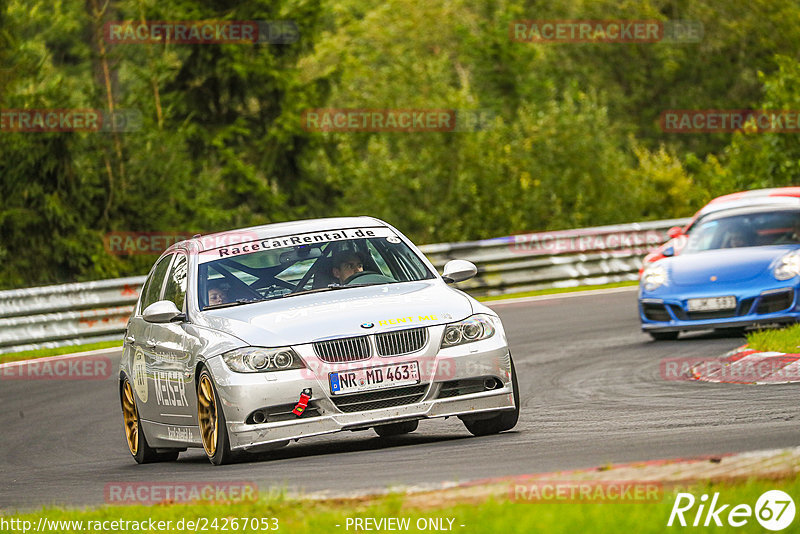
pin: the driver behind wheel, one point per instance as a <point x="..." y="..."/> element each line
<point x="345" y="265"/>
<point x="217" y="292"/>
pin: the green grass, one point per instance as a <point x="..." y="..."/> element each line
<point x="478" y="516"/>
<point x="41" y="353"/>
<point x="782" y="340"/>
<point x="553" y="291"/>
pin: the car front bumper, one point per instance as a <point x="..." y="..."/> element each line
<point x="449" y="385"/>
<point x="754" y="307"/>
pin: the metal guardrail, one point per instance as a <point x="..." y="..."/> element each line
<point x="87" y="312"/>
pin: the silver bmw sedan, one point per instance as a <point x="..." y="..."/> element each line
<point x="244" y="340"/>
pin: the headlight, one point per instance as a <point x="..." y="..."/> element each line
<point x="654" y="277"/>
<point x="788" y="266"/>
<point x="261" y="360"/>
<point x="475" y="328"/>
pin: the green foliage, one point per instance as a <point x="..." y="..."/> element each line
<point x="769" y="159"/>
<point x="779" y="340"/>
<point x="573" y="140"/>
<point x="466" y="505"/>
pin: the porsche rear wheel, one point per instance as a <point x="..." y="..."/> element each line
<point x="137" y="443"/>
<point x="211" y="419"/>
<point x="664" y="336"/>
<point x="735" y="331"/>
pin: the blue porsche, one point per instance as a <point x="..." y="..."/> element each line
<point x="740" y="268"/>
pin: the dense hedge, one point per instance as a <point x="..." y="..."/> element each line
<point x="573" y="137"/>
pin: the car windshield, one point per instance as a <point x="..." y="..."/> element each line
<point x="273" y="268"/>
<point x="745" y="230"/>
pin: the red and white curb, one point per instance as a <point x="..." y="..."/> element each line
<point x="739" y="366"/>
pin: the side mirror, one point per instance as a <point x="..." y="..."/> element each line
<point x="668" y="252"/>
<point x="674" y="232"/>
<point x="163" y="311"/>
<point x="458" y="271"/>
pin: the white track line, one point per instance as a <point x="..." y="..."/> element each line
<point x="59" y="357"/>
<point x="556" y="296"/>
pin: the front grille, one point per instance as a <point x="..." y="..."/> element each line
<point x="720" y="314"/>
<point x="655" y="312"/>
<point x="775" y="302"/>
<point x="401" y="341"/>
<point x="348" y="349"/>
<point x="375" y="400"/>
<point x="745" y="305"/>
<point x="678" y="312"/>
<point x="742" y="308"/>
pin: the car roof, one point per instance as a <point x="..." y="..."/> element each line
<point x="749" y="210"/>
<point x="268" y="231"/>
<point x="759" y="197"/>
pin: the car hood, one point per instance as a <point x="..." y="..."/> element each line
<point x="341" y="313"/>
<point x="724" y="265"/>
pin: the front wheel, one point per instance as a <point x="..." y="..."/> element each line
<point x="137" y="443"/>
<point x="211" y="419"/>
<point x="505" y="420"/>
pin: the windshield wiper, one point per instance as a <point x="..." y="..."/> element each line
<point x="329" y="287"/>
<point x="237" y="302"/>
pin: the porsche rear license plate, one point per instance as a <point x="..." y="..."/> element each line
<point x="372" y="378"/>
<point x="712" y="304"/>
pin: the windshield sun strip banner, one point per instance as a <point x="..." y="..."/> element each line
<point x="229" y="250"/>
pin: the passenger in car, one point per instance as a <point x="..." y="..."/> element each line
<point x="737" y="237"/>
<point x="794" y="237"/>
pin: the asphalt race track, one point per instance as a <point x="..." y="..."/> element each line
<point x="591" y="394"/>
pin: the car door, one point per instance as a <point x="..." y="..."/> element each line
<point x="171" y="359"/>
<point x="139" y="338"/>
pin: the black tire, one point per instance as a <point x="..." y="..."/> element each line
<point x="215" y="437"/>
<point x="505" y="420"/>
<point x="664" y="336"/>
<point x="396" y="429"/>
<point x="141" y="451"/>
<point x="735" y="331"/>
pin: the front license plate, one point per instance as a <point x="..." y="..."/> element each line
<point x="712" y="304"/>
<point x="372" y="378"/>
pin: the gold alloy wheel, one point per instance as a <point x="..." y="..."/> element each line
<point x="131" y="417"/>
<point x="207" y="414"/>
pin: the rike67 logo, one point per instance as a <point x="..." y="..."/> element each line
<point x="774" y="510"/>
